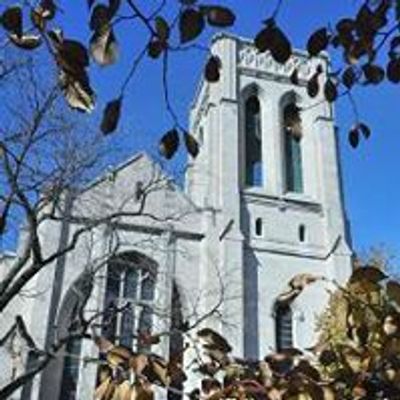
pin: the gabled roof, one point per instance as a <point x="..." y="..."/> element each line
<point x="166" y="205"/>
<point x="130" y="163"/>
<point x="114" y="170"/>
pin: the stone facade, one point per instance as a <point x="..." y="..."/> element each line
<point x="218" y="235"/>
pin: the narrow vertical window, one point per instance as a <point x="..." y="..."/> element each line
<point x="253" y="148"/>
<point x="302" y="233"/>
<point x="283" y="324"/>
<point x="259" y="227"/>
<point x="293" y="158"/>
<point x="70" y="374"/>
<point x="128" y="300"/>
<point x="201" y="135"/>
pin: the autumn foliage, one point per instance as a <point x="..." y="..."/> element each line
<point x="357" y="356"/>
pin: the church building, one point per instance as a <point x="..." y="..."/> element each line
<point x="262" y="203"/>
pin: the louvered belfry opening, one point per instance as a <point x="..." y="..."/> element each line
<point x="292" y="149"/>
<point x="253" y="142"/>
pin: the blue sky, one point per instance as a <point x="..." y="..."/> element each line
<point x="371" y="181"/>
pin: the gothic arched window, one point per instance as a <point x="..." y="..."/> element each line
<point x="129" y="299"/>
<point x="292" y="149"/>
<point x="253" y="142"/>
<point x="283" y="327"/>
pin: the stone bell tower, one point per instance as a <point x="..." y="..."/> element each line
<point x="268" y="180"/>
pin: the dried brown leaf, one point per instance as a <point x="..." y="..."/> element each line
<point x="111" y="116"/>
<point x="318" y="42"/>
<point x="169" y="144"/>
<point x="212" y="69"/>
<point x="191" y="24"/>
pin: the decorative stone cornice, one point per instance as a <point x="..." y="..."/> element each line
<point x="251" y="59"/>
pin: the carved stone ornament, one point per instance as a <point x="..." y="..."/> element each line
<point x="251" y="58"/>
